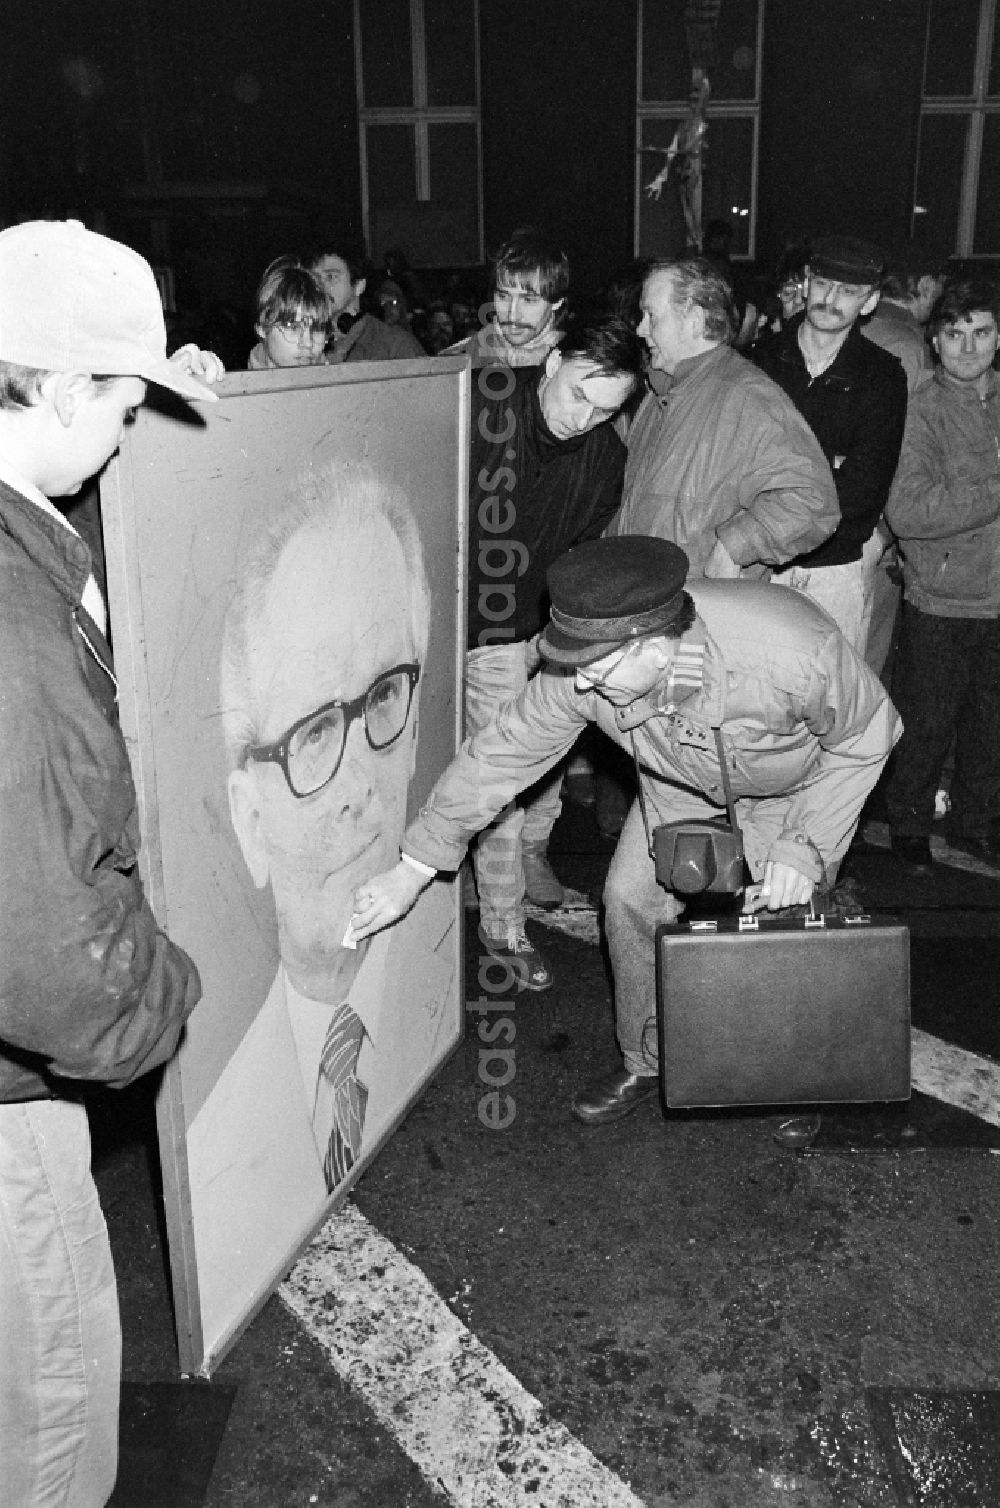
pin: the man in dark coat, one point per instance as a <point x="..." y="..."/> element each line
<point x="853" y="396"/>
<point x="546" y="473"/>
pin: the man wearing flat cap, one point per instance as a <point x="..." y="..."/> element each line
<point x="805" y="726"/>
<point x="853" y="396"/>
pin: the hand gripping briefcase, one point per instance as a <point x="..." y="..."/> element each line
<point x="762" y="1011"/>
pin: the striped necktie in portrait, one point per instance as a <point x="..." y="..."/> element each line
<point x="339" y="1116"/>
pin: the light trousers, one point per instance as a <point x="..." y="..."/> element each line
<point x="494" y="675"/>
<point x="840" y="589"/>
<point x="60" y="1335"/>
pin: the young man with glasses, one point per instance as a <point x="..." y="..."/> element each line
<point x="293" y="318"/>
<point x="323" y="654"/>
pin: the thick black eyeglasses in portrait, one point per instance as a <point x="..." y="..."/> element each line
<point x="310" y="752"/>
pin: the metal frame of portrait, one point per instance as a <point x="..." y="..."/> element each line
<point x="181" y="506"/>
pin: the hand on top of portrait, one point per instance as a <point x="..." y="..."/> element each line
<point x="782" y="886"/>
<point x="385" y="898"/>
<point x="204" y="365"/>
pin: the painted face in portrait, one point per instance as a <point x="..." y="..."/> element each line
<point x="321" y="804"/>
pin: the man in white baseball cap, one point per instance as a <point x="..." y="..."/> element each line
<point x="90" y="988"/>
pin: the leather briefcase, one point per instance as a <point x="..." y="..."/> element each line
<point x="768" y="1011"/>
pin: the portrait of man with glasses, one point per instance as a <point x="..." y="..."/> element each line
<point x="323" y="652"/>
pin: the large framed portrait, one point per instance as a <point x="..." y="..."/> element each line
<point x="286" y="576"/>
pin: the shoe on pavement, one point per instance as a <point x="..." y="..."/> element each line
<point x="614" y="1096"/>
<point x="799" y="1133"/>
<point x="528" y="963"/>
<point x="986" y="848"/>
<point x="914" y="852"/>
<point x="541" y="885"/>
<point x="580" y="787"/>
<point x="610" y="825"/>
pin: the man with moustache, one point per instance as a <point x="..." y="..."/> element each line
<point x="530" y="284"/>
<point x="324" y="648"/>
<point x="853" y="396"/>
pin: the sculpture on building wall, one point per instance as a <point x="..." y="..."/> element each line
<point x="689" y="140"/>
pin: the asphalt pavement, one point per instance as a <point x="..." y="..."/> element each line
<point x="672" y="1310"/>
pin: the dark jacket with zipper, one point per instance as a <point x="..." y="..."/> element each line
<point x="90" y="987"/>
<point x="856" y="409"/>
<point x="531" y="497"/>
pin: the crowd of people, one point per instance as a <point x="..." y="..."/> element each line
<point x="769" y="431"/>
<point x="330" y="306"/>
<point x="762" y="531"/>
<point x="849" y="453"/>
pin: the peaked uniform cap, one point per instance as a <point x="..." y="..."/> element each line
<point x="608" y="592"/>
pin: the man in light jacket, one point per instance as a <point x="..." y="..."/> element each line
<point x="945" y="510"/>
<point x="719" y="460"/>
<point x="805" y="727"/>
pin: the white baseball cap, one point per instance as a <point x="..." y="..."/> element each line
<point x="74" y="301"/>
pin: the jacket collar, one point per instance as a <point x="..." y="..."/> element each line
<point x="490" y="344"/>
<point x="56" y="550"/>
<point x="849" y="362"/>
<point x="546" y="441"/>
<point x="688" y="370"/>
<point x="888" y="311"/>
<point x="968" y="390"/>
<point x="699" y="694"/>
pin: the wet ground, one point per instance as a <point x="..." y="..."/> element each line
<point x="723" y="1322"/>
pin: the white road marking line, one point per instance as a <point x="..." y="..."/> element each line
<point x="878" y="836"/>
<point x="577" y="921"/>
<point x="459" y="1414"/>
<point x="461" y="1417"/>
<point x="957" y="1077"/>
